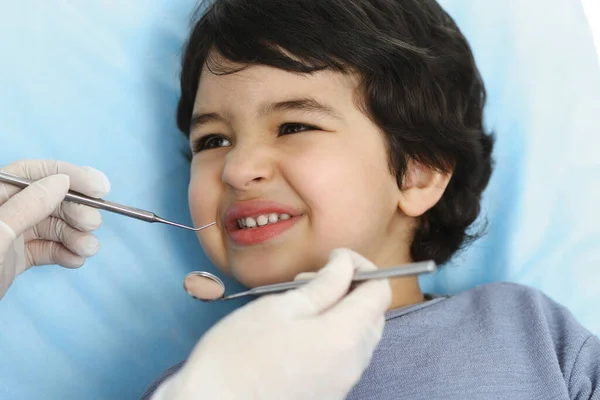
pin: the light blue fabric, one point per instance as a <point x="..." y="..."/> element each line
<point x="95" y="83"/>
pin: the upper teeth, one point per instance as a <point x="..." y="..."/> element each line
<point x="262" y="220"/>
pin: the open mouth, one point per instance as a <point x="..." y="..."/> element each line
<point x="257" y="221"/>
<point x="262" y="228"/>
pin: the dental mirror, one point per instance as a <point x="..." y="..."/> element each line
<point x="204" y="286"/>
<point x="207" y="287"/>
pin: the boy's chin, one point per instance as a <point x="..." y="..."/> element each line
<point x="270" y="267"/>
<point x="254" y="278"/>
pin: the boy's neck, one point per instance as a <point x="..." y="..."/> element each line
<point x="405" y="292"/>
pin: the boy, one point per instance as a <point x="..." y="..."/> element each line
<point x="318" y="124"/>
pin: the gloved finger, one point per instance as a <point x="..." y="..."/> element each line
<point x="86" y="180"/>
<point x="57" y="230"/>
<point x="305" y="276"/>
<point x="363" y="305"/>
<point x="371" y="297"/>
<point x="30" y="206"/>
<point x="44" y="252"/>
<point x="13" y="263"/>
<point x="80" y="217"/>
<point x="328" y="287"/>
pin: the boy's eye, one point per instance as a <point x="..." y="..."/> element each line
<point x="289" y="128"/>
<point x="210" y="142"/>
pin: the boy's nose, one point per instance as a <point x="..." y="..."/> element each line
<point x="246" y="166"/>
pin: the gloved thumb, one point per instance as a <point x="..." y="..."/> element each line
<point x="359" y="262"/>
<point x="328" y="286"/>
<point x="305" y="276"/>
<point x="30" y="206"/>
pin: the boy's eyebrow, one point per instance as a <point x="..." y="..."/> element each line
<point x="201" y="119"/>
<point x="306" y="104"/>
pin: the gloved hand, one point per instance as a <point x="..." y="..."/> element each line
<point x="36" y="229"/>
<point x="309" y="343"/>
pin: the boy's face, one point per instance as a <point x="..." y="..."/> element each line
<point x="285" y="143"/>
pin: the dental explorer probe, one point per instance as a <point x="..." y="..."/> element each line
<point x="79" y="198"/>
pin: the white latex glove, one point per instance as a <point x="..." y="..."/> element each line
<point x="310" y="343"/>
<point x="36" y="228"/>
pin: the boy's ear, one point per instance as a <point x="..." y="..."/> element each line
<point x="422" y="188"/>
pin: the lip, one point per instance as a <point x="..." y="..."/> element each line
<point x="254" y="208"/>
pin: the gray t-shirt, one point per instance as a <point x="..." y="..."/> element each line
<point x="496" y="341"/>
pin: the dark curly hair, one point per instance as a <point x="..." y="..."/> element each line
<point x="418" y="80"/>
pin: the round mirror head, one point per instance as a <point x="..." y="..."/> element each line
<point x="204" y="286"/>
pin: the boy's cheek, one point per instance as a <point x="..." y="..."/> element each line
<point x="202" y="200"/>
<point x="212" y="244"/>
